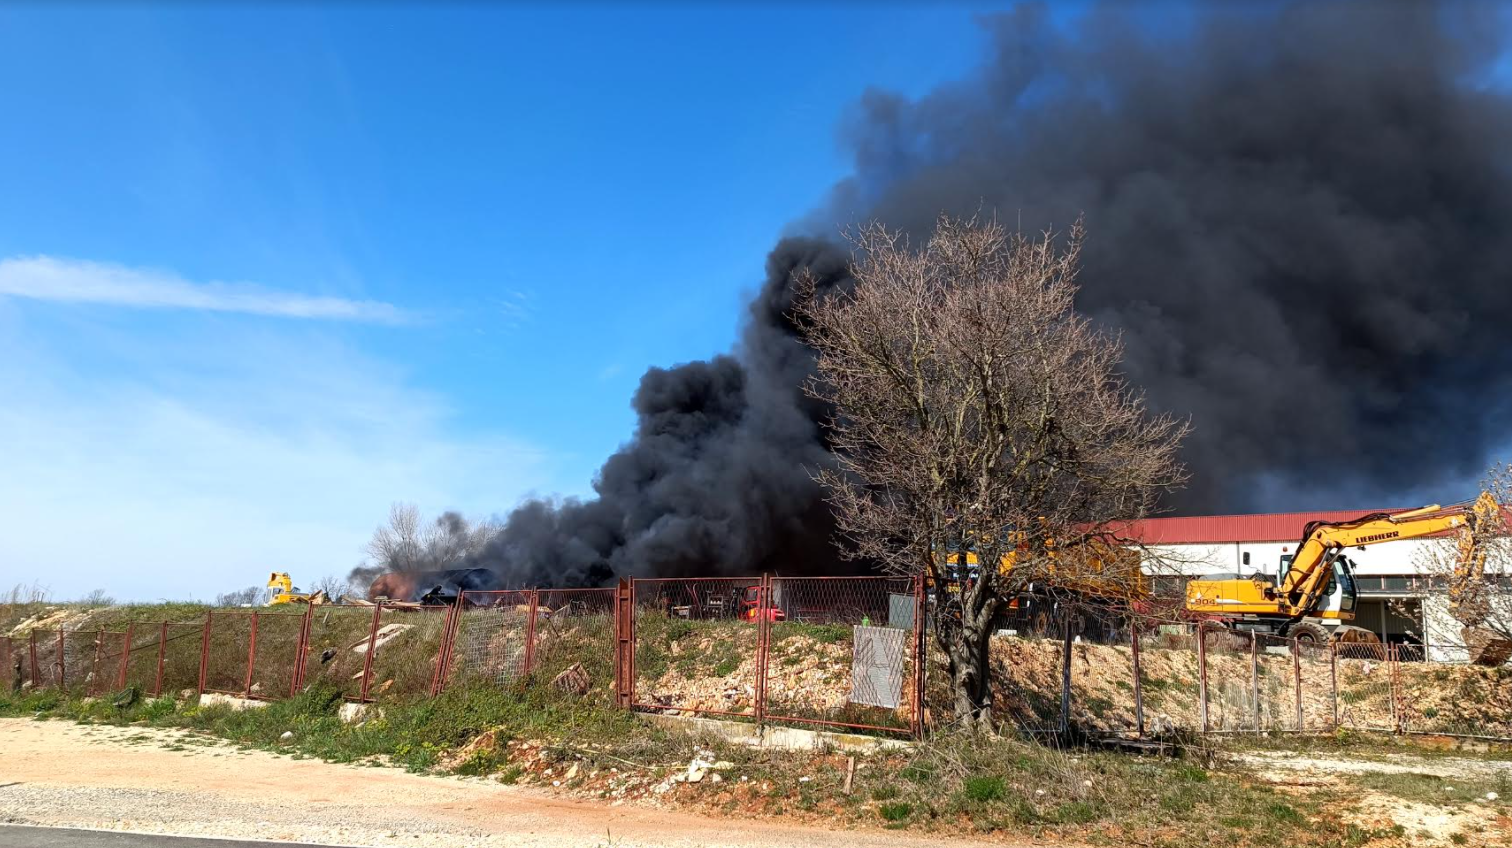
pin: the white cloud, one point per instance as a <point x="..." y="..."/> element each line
<point x="214" y="461"/>
<point x="79" y="281"/>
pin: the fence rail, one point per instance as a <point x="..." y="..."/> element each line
<point x="853" y="652"/>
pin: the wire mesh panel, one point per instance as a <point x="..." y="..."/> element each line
<point x="230" y="644"/>
<point x="113" y="649"/>
<point x="492" y="639"/>
<point x="1102" y="686"/>
<point x="1025" y="667"/>
<point x="1168" y="678"/>
<point x="336" y="649"/>
<point x="277" y="655"/>
<point x="142" y="656"/>
<point x="1456" y="699"/>
<point x="15" y="667"/>
<point x="80" y="658"/>
<point x="1238" y="681"/>
<point x="1277" y="674"/>
<point x="45" y="659"/>
<point x="181" y="659"/>
<point x="696" y="644"/>
<point x="1365" y="681"/>
<point x="408" y="645"/>
<point x="841" y="651"/>
<point x="1315" y="664"/>
<point x="575" y="627"/>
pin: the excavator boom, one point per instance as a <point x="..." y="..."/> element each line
<point x="1302" y="588"/>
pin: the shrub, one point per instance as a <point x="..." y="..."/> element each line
<point x="896" y="811"/>
<point x="984" y="788"/>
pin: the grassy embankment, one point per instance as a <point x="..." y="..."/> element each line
<point x="951" y="784"/>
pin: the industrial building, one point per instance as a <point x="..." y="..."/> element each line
<point x="1395" y="597"/>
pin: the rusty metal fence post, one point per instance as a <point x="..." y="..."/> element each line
<point x="624" y="644"/>
<point x="1255" y="677"/>
<point x="157" y="677"/>
<point x="1296" y="653"/>
<point x="1396" y="689"/>
<point x="204" y="667"/>
<point x="533" y="606"/>
<point x="443" y="649"/>
<point x="921" y="656"/>
<point x="1333" y="679"/>
<point x="1065" y="702"/>
<point x="92" y="683"/>
<point x="372" y="648"/>
<point x="58" y="661"/>
<point x="251" y="657"/>
<point x="763" y="646"/>
<point x="125" y="655"/>
<point x="301" y="651"/>
<point x="1139" y="722"/>
<point x="1202" y="677"/>
<point x="36" y="679"/>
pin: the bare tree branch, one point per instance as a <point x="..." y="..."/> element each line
<point x="979" y="419"/>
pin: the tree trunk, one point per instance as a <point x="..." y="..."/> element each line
<point x="965" y="641"/>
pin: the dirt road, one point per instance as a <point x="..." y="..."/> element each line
<point x="155" y="781"/>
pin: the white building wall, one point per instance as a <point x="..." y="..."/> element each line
<point x="1386" y="559"/>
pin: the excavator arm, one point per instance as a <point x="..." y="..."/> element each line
<point x="1470" y="565"/>
<point x="1322" y="543"/>
<point x="1300" y="592"/>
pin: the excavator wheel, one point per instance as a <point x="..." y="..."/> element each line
<point x="1308" y="633"/>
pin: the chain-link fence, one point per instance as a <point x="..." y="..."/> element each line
<point x="841" y="651"/>
<point x="491" y="639"/>
<point x="821" y="651"/>
<point x="15" y="664"/>
<point x="575" y="641"/>
<point x="405" y="651"/>
<point x="335" y="647"/>
<point x="695" y="644"/>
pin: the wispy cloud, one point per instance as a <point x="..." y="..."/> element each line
<point x="215" y="461"/>
<point x="80" y="281"/>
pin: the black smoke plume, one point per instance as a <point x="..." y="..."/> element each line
<point x="715" y="480"/>
<point x="1298" y="220"/>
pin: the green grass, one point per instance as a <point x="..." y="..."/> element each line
<point x="983" y="789"/>
<point x="1432" y="789"/>
<point x="895" y="812"/>
<point x="410" y="733"/>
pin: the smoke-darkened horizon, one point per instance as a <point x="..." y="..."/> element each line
<point x="1295" y="221"/>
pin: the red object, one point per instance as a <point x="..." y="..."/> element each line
<point x="1219" y="529"/>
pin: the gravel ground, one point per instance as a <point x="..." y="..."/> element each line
<point x="62" y="774"/>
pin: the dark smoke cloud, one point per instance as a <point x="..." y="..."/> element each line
<point x="717" y="477"/>
<point x="1297" y="219"/>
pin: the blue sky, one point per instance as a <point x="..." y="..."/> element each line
<point x="263" y="273"/>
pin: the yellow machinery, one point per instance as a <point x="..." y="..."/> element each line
<point x="287" y="594"/>
<point x="1314" y="591"/>
<point x="1102" y="581"/>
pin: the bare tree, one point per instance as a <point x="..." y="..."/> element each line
<point x="249" y="596"/>
<point x="1469" y="600"/>
<point x="334" y="586"/>
<point x="409" y="543"/>
<point x="975" y="412"/>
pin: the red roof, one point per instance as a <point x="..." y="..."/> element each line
<point x="1219" y="529"/>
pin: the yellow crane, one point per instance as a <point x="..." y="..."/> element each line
<point x="1314" y="592"/>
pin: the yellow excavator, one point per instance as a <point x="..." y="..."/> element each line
<point x="288" y="594"/>
<point x="1314" y="593"/>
